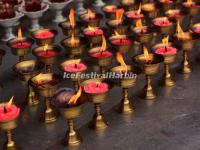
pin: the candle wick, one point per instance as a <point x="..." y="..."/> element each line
<point x="165" y="48"/>
<point x="75" y="65"/>
<point x="142" y="31"/>
<point x="4" y="109"/>
<point x="97" y="85"/>
<point x="102" y="52"/>
<point x="121" y="40"/>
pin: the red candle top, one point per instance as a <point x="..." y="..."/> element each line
<point x="96" y="88"/>
<point x="133" y="14"/>
<point x="121" y="41"/>
<point x="75" y="67"/>
<point x="22" y="44"/>
<point x="166" y="1"/>
<point x="47" y="53"/>
<point x="191" y="5"/>
<point x="101" y="54"/>
<point x="90" y="31"/>
<point x="44" y="35"/>
<point x="197" y="29"/>
<point x="168" y="50"/>
<point x="162" y="22"/>
<point x="9" y="112"/>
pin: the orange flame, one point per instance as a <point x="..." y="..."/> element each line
<point x="121" y="61"/>
<point x="165" y="40"/>
<point x="10" y="101"/>
<point x="103" y="46"/>
<point x="20" y="37"/>
<point x="119" y="14"/>
<point x="179" y="30"/>
<point x="91" y="28"/>
<point x="46" y="47"/>
<point x="71" y="17"/>
<point x="90" y="14"/>
<point x="189" y="1"/>
<point x="75" y="97"/>
<point x="139" y="9"/>
<point x="146" y="54"/>
<point x="139" y="24"/>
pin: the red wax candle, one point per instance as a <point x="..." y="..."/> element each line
<point x="175" y="15"/>
<point x="162" y="22"/>
<point x="197" y="29"/>
<point x="96" y="31"/>
<point x="44" y="35"/>
<point x="19" y="45"/>
<point x="96" y="87"/>
<point x="121" y="41"/>
<point x="166" y="50"/>
<point x="191" y="5"/>
<point x="75" y="67"/>
<point x="50" y="53"/>
<point x="8" y="112"/>
<point x="166" y="1"/>
<point x="133" y="15"/>
<point x="102" y="54"/>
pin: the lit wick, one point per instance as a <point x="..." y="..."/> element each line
<point x="121" y="40"/>
<point x="5" y="110"/>
<point x="75" y="65"/>
<point x="101" y="52"/>
<point x="97" y="85"/>
<point x="165" y="48"/>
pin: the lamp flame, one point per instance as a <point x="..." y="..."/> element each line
<point x="20" y="37"/>
<point x="165" y="40"/>
<point x="10" y="101"/>
<point x="91" y="28"/>
<point x="75" y="97"/>
<point x="146" y="54"/>
<point x="120" y="59"/>
<point x="90" y="14"/>
<point x="189" y="1"/>
<point x="46" y="47"/>
<point x="116" y="33"/>
<point x="139" y="24"/>
<point x="139" y="9"/>
<point x="103" y="46"/>
<point x="71" y="17"/>
<point x="119" y="15"/>
<point x="179" y="30"/>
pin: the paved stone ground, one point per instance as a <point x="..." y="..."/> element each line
<point x="171" y="122"/>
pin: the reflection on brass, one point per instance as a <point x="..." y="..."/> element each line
<point x="72" y="138"/>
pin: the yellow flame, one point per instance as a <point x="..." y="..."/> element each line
<point x="71" y="17"/>
<point x="46" y="47"/>
<point x="119" y="14"/>
<point x="20" y="37"/>
<point x="146" y="54"/>
<point x="121" y="61"/>
<point x="75" y="97"/>
<point x="91" y="28"/>
<point x="103" y="46"/>
<point x="90" y="14"/>
<point x="10" y="101"/>
<point x="165" y="40"/>
<point x="139" y="9"/>
<point x="179" y="30"/>
<point x="116" y="33"/>
<point x="139" y="24"/>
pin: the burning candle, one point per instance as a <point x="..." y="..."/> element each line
<point x="8" y="111"/>
<point x="20" y="42"/>
<point x="191" y="4"/>
<point x="174" y="13"/>
<point x="91" y="31"/>
<point x="123" y="67"/>
<point x="162" y="22"/>
<point x="182" y="35"/>
<point x="75" y="66"/>
<point x="165" y="48"/>
<point x="47" y="52"/>
<point x="118" y="39"/>
<point x="135" y="14"/>
<point x="33" y="5"/>
<point x="119" y="18"/>
<point x="100" y="52"/>
<point x="90" y="15"/>
<point x="7" y="11"/>
<point x="96" y="87"/>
